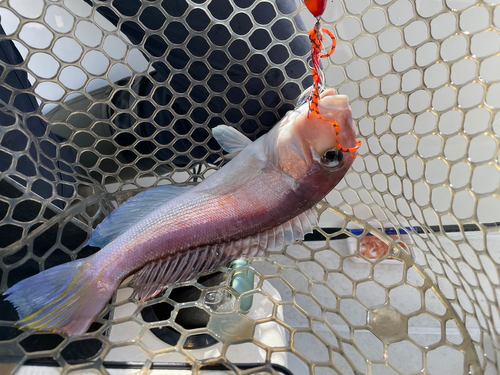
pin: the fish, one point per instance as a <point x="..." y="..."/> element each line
<point x="261" y="200"/>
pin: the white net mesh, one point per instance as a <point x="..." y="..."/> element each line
<point x="101" y="99"/>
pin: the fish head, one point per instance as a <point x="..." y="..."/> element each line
<point x="306" y="146"/>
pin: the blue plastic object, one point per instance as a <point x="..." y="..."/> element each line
<point x="243" y="282"/>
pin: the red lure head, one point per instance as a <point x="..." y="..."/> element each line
<point x="316" y="7"/>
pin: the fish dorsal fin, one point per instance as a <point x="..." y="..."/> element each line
<point x="155" y="277"/>
<point x="132" y="211"/>
<point x="230" y="139"/>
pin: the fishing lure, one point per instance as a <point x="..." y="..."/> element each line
<point x="317" y="8"/>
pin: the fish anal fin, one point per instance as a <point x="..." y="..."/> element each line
<point x="277" y="238"/>
<point x="155" y="277"/>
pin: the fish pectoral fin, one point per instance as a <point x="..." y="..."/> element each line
<point x="132" y="211"/>
<point x="230" y="139"/>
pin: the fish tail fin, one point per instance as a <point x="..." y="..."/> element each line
<point x="61" y="299"/>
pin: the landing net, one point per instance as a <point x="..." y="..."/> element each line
<point x="103" y="99"/>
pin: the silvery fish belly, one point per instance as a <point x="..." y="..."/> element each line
<point x="262" y="199"/>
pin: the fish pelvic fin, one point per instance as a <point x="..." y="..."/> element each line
<point x="62" y="299"/>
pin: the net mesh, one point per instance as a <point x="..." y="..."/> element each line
<point x="102" y="99"/>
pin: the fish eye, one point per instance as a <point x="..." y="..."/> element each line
<point x="332" y="158"/>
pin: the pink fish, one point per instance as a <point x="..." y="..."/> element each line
<point x="262" y="199"/>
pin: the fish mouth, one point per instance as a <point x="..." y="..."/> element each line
<point x="335" y="102"/>
<point x="336" y="110"/>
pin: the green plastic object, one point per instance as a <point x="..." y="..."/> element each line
<point x="243" y="282"/>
